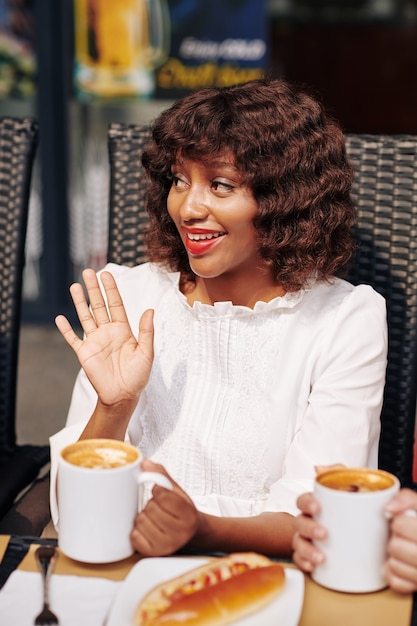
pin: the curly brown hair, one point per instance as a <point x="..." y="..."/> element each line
<point x="290" y="152"/>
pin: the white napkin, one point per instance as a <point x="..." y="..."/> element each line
<point x="79" y="600"/>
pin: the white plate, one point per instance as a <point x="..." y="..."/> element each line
<point x="286" y="609"/>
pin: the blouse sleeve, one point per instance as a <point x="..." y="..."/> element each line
<point x="341" y="423"/>
<point x="64" y="437"/>
<point x="83" y="400"/>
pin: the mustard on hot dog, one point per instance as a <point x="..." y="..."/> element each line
<point x="216" y="593"/>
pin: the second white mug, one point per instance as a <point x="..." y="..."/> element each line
<point x="352" y="509"/>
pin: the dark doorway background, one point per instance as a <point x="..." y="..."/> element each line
<point x="364" y="70"/>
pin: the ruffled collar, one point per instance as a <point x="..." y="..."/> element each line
<point x="228" y="309"/>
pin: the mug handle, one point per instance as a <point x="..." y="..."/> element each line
<point x="153" y="477"/>
<point x="157" y="478"/>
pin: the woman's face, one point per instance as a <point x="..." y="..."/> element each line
<point x="213" y="211"/>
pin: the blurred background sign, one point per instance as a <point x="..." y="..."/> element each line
<point x="216" y="43"/>
<point x="118" y="46"/>
<point x="17" y="56"/>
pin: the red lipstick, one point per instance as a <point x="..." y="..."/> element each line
<point x="201" y="245"/>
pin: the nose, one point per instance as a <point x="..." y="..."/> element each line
<point x="194" y="205"/>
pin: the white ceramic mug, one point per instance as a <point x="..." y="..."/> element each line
<point x="99" y="494"/>
<point x="352" y="503"/>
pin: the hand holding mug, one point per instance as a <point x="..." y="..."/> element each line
<point x="400" y="569"/>
<point x="168" y="521"/>
<point x="306" y="554"/>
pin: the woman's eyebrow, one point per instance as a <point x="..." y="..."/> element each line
<point x="212" y="163"/>
<point x="209" y="163"/>
<point x="226" y="164"/>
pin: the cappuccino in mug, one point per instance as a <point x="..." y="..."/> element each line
<point x="99" y="494"/>
<point x="356" y="480"/>
<point x="352" y="509"/>
<point x="100" y="453"/>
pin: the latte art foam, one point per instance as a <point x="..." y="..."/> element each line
<point x="100" y="454"/>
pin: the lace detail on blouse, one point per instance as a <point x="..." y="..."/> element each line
<point x="200" y="402"/>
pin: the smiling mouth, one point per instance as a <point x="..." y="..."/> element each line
<point x="204" y="237"/>
<point x="200" y="243"/>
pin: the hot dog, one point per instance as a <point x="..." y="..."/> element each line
<point x="217" y="593"/>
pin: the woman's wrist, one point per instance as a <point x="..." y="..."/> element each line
<point x="109" y="421"/>
<point x="202" y="539"/>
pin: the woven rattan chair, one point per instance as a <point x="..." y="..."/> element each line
<point x="128" y="216"/>
<point x="19" y="464"/>
<point x="385" y="192"/>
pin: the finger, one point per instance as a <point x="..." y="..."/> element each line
<point x="67" y="332"/>
<point x="168" y="509"/>
<point x="399" y="585"/>
<point x="306" y="554"/>
<point x="173" y="507"/>
<point x="308" y="528"/>
<point x="154" y="544"/>
<point x="87" y="320"/>
<point x="95" y="295"/>
<point x="149" y="466"/>
<point x="144" y="537"/>
<point x="403" y="548"/>
<point x="404" y="534"/>
<point x="114" y="299"/>
<point x="304" y="564"/>
<point x="323" y="468"/>
<point x="308" y="504"/>
<point x="402" y="569"/>
<point x="399" y="576"/>
<point x="158" y="533"/>
<point x="146" y="333"/>
<point x="173" y="517"/>
<point x="403" y="500"/>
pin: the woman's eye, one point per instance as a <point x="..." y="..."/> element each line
<point x="220" y="186"/>
<point x="177" y="181"/>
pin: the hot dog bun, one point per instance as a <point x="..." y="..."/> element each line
<point x="217" y="593"/>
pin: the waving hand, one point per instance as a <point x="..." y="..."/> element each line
<point x="116" y="363"/>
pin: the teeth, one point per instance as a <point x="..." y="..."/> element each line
<point x="195" y="237"/>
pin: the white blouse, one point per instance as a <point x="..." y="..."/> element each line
<point x="242" y="403"/>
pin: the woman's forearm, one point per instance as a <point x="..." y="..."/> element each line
<point x="267" y="533"/>
<point x="108" y="422"/>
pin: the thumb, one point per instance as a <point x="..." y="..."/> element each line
<point x="404" y="500"/>
<point x="323" y="468"/>
<point x="149" y="466"/>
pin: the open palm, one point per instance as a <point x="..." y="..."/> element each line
<point x="116" y="363"/>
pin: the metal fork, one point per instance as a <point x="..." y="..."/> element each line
<point x="46" y="557"/>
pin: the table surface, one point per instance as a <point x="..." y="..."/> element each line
<point x="321" y="607"/>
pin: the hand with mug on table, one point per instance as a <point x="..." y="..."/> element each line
<point x="231" y="385"/>
<point x="400" y="569"/>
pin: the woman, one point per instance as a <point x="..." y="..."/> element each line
<point x="262" y="360"/>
